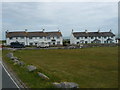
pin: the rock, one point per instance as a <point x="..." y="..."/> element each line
<point x="21" y="63"/>
<point x="13" y="58"/>
<point x="31" y="68"/>
<point x="43" y="76"/>
<point x="65" y="85"/>
<point x="9" y="55"/>
<point x="57" y="85"/>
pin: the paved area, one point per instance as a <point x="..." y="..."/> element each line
<point x="7" y="81"/>
<point x="5" y="78"/>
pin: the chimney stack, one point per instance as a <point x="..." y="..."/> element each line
<point x="110" y="30"/>
<point x="72" y="30"/>
<point x="58" y="30"/>
<point x="86" y="31"/>
<point x="99" y="31"/>
<point x="25" y="30"/>
<point x="7" y="31"/>
<point x="43" y="30"/>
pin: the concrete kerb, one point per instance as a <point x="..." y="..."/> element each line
<point x="15" y="78"/>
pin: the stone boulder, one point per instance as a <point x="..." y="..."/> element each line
<point x="20" y="63"/>
<point x="14" y="58"/>
<point x="9" y="55"/>
<point x="31" y="68"/>
<point x="65" y="85"/>
<point x="43" y="76"/>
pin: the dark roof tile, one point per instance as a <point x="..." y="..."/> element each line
<point x="92" y="34"/>
<point x="32" y="34"/>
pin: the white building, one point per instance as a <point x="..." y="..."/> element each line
<point x="92" y="37"/>
<point x="33" y="38"/>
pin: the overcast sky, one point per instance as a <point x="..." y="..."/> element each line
<point x="60" y="15"/>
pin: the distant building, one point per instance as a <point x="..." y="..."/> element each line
<point x="33" y="38"/>
<point x="118" y="40"/>
<point x="92" y="37"/>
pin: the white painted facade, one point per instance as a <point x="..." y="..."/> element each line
<point x="88" y="39"/>
<point x="34" y="40"/>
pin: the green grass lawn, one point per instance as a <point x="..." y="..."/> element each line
<point x="89" y="67"/>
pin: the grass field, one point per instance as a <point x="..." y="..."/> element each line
<point x="89" y="67"/>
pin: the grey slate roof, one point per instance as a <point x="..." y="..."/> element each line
<point x="33" y="34"/>
<point x="92" y="34"/>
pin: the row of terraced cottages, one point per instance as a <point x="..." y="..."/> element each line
<point x="34" y="38"/>
<point x="92" y="37"/>
<point x="55" y="38"/>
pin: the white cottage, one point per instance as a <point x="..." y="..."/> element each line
<point x="33" y="38"/>
<point x="92" y="37"/>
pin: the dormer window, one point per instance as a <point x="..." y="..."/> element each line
<point x="48" y="37"/>
<point x="85" y="37"/>
<point x="77" y="37"/>
<point x="30" y="37"/>
<point x="10" y="37"/>
<point x="91" y="37"/>
<point x="41" y="37"/>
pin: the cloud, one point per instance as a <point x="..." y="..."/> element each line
<point x="63" y="15"/>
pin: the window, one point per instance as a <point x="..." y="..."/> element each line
<point x="58" y="42"/>
<point x="85" y="37"/>
<point x="35" y="37"/>
<point x="16" y="37"/>
<point x="10" y="37"/>
<point x="99" y="37"/>
<point x="111" y="36"/>
<point x="91" y="37"/>
<point x="77" y="37"/>
<point x="40" y="37"/>
<point x="22" y="37"/>
<point x="86" y="42"/>
<point x="49" y="43"/>
<point x="111" y="42"/>
<point x="30" y="37"/>
<point x="48" y="37"/>
<point x="104" y="41"/>
<point x="77" y="42"/>
<point x="58" y="37"/>
<point x="81" y="37"/>
<point x="35" y="43"/>
<point x="104" y="36"/>
<point x="31" y="43"/>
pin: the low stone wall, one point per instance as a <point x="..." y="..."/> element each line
<point x="99" y="45"/>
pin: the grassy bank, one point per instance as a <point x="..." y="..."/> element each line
<point x="89" y="67"/>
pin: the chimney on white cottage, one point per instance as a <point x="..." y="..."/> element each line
<point x="7" y="31"/>
<point x="58" y="30"/>
<point x="99" y="31"/>
<point x="86" y="31"/>
<point x="72" y="30"/>
<point x="43" y="29"/>
<point x="25" y="30"/>
<point x="110" y="30"/>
